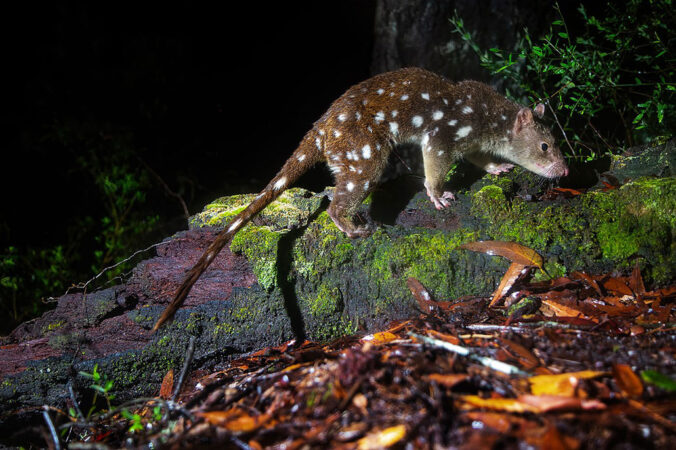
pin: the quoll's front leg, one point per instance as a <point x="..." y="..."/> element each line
<point x="436" y="163"/>
<point x="440" y="201"/>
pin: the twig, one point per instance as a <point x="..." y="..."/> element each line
<point x="463" y="351"/>
<point x="52" y="429"/>
<point x="188" y="359"/>
<point x="167" y="189"/>
<point x="75" y="404"/>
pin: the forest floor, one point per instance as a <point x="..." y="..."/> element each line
<point x="576" y="362"/>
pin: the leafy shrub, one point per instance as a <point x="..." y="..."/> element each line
<point x="610" y="85"/>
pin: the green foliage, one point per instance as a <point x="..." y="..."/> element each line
<point x="114" y="225"/>
<point x="610" y="85"/>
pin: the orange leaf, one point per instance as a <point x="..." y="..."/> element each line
<point x="448" y="380"/>
<point x="421" y="295"/>
<point x="562" y="385"/>
<point x="511" y="250"/>
<point x="512" y="274"/>
<point x="167" y="385"/>
<point x="636" y="281"/>
<point x="497" y="404"/>
<point x="617" y="285"/>
<point x="444" y="337"/>
<point x="380" y="338"/>
<point x="527" y="359"/>
<point x="235" y="420"/>
<point x="627" y="380"/>
<point x="382" y="438"/>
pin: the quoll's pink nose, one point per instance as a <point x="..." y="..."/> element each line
<point x="565" y="172"/>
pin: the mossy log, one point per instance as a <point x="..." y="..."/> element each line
<point x="292" y="273"/>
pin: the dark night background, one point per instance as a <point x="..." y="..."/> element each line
<point x="212" y="99"/>
<point x="220" y="96"/>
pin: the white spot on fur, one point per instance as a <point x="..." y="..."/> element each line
<point x="458" y="101"/>
<point x="357" y="115"/>
<point x="380" y="116"/>
<point x="394" y="113"/>
<point x="352" y="169"/>
<point x="349" y="186"/>
<point x="352" y="155"/>
<point x="318" y="143"/>
<point x="366" y="186"/>
<point x="417" y="121"/>
<point x="462" y="132"/>
<point x="364" y="102"/>
<point x="469" y="96"/>
<point x="370" y="129"/>
<point x="366" y="151"/>
<point x="342" y="117"/>
<point x="335" y="169"/>
<point x="234" y="225"/>
<point x="467" y="110"/>
<point x="280" y="183"/>
<point x="445" y="101"/>
<point x="494" y="124"/>
<point x="425" y="96"/>
<point x="404" y="97"/>
<point x="452" y="123"/>
<point x="503" y="117"/>
<point x="380" y="91"/>
<point x="301" y="157"/>
<point x="440" y="152"/>
<point x="336" y="133"/>
<point x="437" y="115"/>
<point x="321" y="132"/>
<point x="394" y="127"/>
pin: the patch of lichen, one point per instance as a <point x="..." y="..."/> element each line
<point x="294" y="206"/>
<point x="259" y="245"/>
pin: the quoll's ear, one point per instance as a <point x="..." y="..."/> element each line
<point x="524" y="118"/>
<point x="539" y="110"/>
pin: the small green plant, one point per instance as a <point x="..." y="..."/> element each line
<point x="611" y="85"/>
<point x="101" y="385"/>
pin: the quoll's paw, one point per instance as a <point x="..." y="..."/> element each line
<point x="360" y="231"/>
<point x="443" y="201"/>
<point x="497" y="169"/>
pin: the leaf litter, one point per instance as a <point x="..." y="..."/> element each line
<point x="589" y="363"/>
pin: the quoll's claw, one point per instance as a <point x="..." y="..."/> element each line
<point x="497" y="169"/>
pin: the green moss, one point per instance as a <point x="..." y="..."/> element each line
<point x="259" y="245"/>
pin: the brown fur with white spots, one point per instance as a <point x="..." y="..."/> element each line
<point x="356" y="135"/>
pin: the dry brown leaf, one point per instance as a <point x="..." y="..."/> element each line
<point x="627" y="380"/>
<point x="636" y="281"/>
<point x="512" y="274"/>
<point x="382" y="438"/>
<point x="545" y="403"/>
<point x="167" y="385"/>
<point x="421" y="295"/>
<point x="561" y="310"/>
<point x="527" y="359"/>
<point x="511" y="250"/>
<point x="589" y="280"/>
<point x="562" y="385"/>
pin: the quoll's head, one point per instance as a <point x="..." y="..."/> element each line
<point x="534" y="145"/>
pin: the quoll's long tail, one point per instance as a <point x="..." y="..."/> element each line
<point x="306" y="155"/>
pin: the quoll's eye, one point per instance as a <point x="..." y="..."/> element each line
<point x="544" y="146"/>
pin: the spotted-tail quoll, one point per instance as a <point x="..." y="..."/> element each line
<point x="449" y="121"/>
